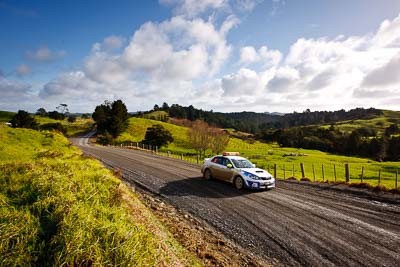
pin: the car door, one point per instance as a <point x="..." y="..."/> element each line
<point x="215" y="167"/>
<point x="225" y="172"/>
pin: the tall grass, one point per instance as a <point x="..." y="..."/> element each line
<point x="59" y="208"/>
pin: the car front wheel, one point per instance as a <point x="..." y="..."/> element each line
<point x="207" y="174"/>
<point x="239" y="182"/>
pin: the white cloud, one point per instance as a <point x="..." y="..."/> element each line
<point x="267" y="57"/>
<point x="181" y="60"/>
<point x="44" y="54"/>
<point x="192" y="8"/>
<point x="113" y="42"/>
<point x="23" y="70"/>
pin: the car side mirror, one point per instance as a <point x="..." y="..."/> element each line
<point x="230" y="166"/>
<point x="254" y="165"/>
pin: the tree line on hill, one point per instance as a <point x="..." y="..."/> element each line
<point x="255" y="123"/>
<point x="362" y="142"/>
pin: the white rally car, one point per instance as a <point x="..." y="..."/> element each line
<point x="241" y="172"/>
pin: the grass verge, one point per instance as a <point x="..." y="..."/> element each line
<point x="60" y="208"/>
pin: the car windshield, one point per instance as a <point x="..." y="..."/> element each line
<point x="242" y="163"/>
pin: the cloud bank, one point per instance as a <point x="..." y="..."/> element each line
<point x="183" y="59"/>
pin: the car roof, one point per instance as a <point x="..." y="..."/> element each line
<point x="232" y="157"/>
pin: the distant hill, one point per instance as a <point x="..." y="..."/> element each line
<point x="6" y="116"/>
<point x="255" y="123"/>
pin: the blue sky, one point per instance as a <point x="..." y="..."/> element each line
<point x="225" y="55"/>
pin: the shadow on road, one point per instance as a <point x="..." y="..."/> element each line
<point x="197" y="186"/>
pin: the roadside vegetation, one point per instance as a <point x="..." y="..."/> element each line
<point x="60" y="208"/>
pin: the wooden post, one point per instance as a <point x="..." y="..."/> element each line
<point x="397" y="174"/>
<point x="379" y="177"/>
<point x="347" y="172"/>
<point x="362" y="174"/>
<point x="268" y="169"/>
<point x="323" y="173"/>
<point x="181" y="156"/>
<point x="284" y="171"/>
<point x="156" y="149"/>
<point x="334" y="170"/>
<point x="313" y="171"/>
<point x="275" y="171"/>
<point x="292" y="170"/>
<point x="169" y="154"/>
<point x="303" y="175"/>
<point x="197" y="158"/>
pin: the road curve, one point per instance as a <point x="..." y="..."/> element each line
<point x="292" y="225"/>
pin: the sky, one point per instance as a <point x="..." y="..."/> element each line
<point x="221" y="55"/>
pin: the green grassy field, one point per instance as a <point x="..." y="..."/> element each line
<point x="156" y="115"/>
<point x="80" y="126"/>
<point x="378" y="124"/>
<point x="266" y="155"/>
<point x="5" y="116"/>
<point x="60" y="208"/>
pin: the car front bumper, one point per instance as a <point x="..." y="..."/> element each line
<point x="260" y="184"/>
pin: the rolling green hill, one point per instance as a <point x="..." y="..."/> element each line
<point x="5" y="116"/>
<point x="265" y="155"/>
<point x="378" y="124"/>
<point x="59" y="208"/>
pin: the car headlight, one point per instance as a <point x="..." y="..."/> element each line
<point x="251" y="176"/>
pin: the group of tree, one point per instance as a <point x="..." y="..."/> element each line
<point x="111" y="119"/>
<point x="203" y="137"/>
<point x="60" y="113"/>
<point x="157" y="136"/>
<point x="23" y="119"/>
<point x="360" y="142"/>
<point x="257" y="123"/>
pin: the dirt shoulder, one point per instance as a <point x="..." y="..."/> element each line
<point x="210" y="246"/>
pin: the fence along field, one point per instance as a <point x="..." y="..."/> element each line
<point x="265" y="155"/>
<point x="356" y="172"/>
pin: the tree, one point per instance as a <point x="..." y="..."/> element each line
<point x="23" y="120"/>
<point x="63" y="109"/>
<point x="56" y="115"/>
<point x="111" y="118"/>
<point x="157" y="135"/>
<point x="41" y="112"/>
<point x="219" y="140"/>
<point x="71" y="119"/>
<point x="199" y="137"/>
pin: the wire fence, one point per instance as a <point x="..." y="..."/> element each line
<point x="316" y="172"/>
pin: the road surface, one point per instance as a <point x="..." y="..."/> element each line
<point x="295" y="224"/>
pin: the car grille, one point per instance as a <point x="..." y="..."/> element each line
<point x="266" y="178"/>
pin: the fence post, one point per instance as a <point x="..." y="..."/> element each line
<point x="275" y="171"/>
<point x="303" y="175"/>
<point x="334" y="170"/>
<point x="347" y="172"/>
<point x="197" y="158"/>
<point x="379" y="177"/>
<point x="169" y="154"/>
<point x="397" y="174"/>
<point x="284" y="171"/>
<point x="323" y="173"/>
<point x="181" y="156"/>
<point x="292" y="170"/>
<point x="362" y="174"/>
<point x="268" y="168"/>
<point x="313" y="171"/>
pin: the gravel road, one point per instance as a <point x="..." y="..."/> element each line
<point x="295" y="224"/>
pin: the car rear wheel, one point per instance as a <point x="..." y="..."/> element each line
<point x="207" y="174"/>
<point x="239" y="182"/>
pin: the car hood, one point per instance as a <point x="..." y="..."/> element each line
<point x="256" y="171"/>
